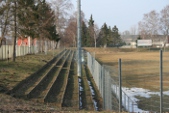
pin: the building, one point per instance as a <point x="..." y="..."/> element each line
<point x="157" y="40"/>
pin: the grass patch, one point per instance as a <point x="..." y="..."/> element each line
<point x="87" y="101"/>
<point x="153" y="103"/>
<point x="11" y="73"/>
<point x="10" y="104"/>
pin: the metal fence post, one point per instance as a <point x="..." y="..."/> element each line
<point x="120" y="88"/>
<point x="128" y="104"/>
<point x="161" y="81"/>
<point x="125" y="101"/>
<point x="132" y="107"/>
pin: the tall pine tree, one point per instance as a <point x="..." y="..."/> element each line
<point x="27" y="20"/>
<point x="84" y="34"/>
<point x="90" y="33"/>
<point x="116" y="40"/>
<point x="104" y="36"/>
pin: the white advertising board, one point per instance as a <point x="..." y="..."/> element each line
<point x="144" y="42"/>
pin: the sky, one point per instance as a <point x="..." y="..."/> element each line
<point x="122" y="13"/>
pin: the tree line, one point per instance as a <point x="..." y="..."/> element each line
<point x="152" y="24"/>
<point x="32" y="18"/>
<point x="91" y="35"/>
<point x="52" y="20"/>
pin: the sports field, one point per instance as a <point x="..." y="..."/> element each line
<point x="140" y="74"/>
<point x="140" y="67"/>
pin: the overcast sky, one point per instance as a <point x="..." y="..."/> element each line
<point x="122" y="13"/>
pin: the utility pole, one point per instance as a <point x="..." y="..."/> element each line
<point x="79" y="64"/>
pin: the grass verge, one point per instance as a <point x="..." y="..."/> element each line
<point x="97" y="95"/>
<point x="11" y="73"/>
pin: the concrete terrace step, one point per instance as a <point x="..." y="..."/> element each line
<point x="44" y="93"/>
<point x="41" y="78"/>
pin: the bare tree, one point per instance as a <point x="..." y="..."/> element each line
<point x="70" y="32"/>
<point x="8" y="21"/>
<point x="62" y="9"/>
<point x="96" y="34"/>
<point x="5" y="19"/>
<point x="164" y="21"/>
<point x="126" y="32"/>
<point x="133" y="30"/>
<point x="151" y="23"/>
<point x="71" y="29"/>
<point x="142" y="30"/>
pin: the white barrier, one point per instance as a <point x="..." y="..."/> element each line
<point x="6" y="51"/>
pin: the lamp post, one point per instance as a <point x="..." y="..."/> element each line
<point x="79" y="66"/>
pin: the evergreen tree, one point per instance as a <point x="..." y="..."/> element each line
<point x="90" y="34"/>
<point x="29" y="17"/>
<point x="104" y="36"/>
<point x="84" y="34"/>
<point x="116" y="40"/>
<point x="52" y="33"/>
<point x="27" y="20"/>
<point x="110" y="36"/>
<point x="37" y="20"/>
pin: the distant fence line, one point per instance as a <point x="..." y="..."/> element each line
<point x="6" y="51"/>
<point x="108" y="86"/>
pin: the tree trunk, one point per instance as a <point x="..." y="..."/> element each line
<point x="58" y="44"/>
<point x="5" y="26"/>
<point x="94" y="40"/>
<point x="166" y="41"/>
<point x="105" y="46"/>
<point x="14" y="43"/>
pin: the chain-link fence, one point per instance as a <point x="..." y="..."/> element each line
<point x="108" y="86"/>
<point x="141" y="80"/>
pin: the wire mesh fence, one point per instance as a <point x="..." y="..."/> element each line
<point x="107" y="85"/>
<point x="140" y="82"/>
